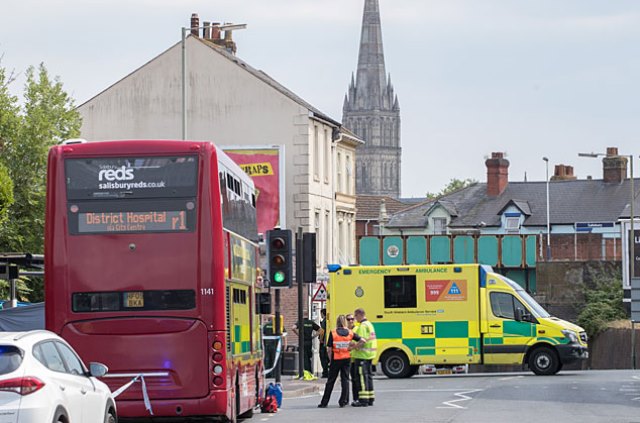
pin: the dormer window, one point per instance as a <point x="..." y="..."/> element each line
<point x="512" y="222"/>
<point x="439" y="225"/>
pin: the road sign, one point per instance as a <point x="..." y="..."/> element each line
<point x="321" y="293"/>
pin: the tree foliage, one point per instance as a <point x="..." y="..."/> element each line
<point x="46" y="118"/>
<point x="453" y="185"/>
<point x="27" y="131"/>
<point x="603" y="302"/>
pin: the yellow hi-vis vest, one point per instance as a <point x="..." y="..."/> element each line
<point x="368" y="350"/>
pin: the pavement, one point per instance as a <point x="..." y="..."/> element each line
<point x="294" y="388"/>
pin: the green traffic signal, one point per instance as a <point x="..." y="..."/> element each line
<point x="278" y="276"/>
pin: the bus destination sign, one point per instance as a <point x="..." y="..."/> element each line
<point x="133" y="221"/>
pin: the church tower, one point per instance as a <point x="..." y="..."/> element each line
<point x="371" y="110"/>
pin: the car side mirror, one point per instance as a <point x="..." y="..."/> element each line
<point x="97" y="369"/>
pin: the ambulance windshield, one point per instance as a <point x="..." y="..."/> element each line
<point x="536" y="309"/>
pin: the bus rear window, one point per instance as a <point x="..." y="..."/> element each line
<point x="131" y="301"/>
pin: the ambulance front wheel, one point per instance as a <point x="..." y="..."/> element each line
<point x="395" y="364"/>
<point x="544" y="361"/>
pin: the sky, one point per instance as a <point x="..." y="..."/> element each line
<point x="533" y="79"/>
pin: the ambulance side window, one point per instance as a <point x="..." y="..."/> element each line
<point x="504" y="305"/>
<point x="400" y="291"/>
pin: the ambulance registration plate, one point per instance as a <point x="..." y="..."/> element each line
<point x="134" y="299"/>
<point x="443" y="371"/>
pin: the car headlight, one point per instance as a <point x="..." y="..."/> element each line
<point x="571" y="335"/>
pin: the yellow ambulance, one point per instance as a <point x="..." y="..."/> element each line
<point x="452" y="315"/>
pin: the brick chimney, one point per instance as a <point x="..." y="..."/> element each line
<point x="497" y="174"/>
<point x="195" y="24"/>
<point x="563" y="173"/>
<point x="614" y="167"/>
<point x="206" y="30"/>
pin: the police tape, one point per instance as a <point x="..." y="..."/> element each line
<point x="278" y="349"/>
<point x="145" y="395"/>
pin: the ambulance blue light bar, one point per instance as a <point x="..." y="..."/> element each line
<point x="333" y="267"/>
<point x="483" y="275"/>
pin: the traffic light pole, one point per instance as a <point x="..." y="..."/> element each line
<point x="278" y="334"/>
<point x="300" y="285"/>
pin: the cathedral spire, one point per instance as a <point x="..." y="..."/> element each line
<point x="372" y="111"/>
<point x="371" y="78"/>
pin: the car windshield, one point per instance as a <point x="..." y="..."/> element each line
<point x="536" y="309"/>
<point x="10" y="358"/>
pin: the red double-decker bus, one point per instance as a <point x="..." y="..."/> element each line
<point x="150" y="263"/>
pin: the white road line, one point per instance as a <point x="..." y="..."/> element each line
<point x="511" y="377"/>
<point x="427" y="390"/>
<point x="463" y="397"/>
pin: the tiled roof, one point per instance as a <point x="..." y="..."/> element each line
<point x="368" y="206"/>
<point x="569" y="202"/>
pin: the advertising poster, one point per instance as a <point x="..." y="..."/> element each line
<point x="263" y="165"/>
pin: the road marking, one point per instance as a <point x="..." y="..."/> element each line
<point x="427" y="390"/>
<point x="511" y="377"/>
<point x="463" y="397"/>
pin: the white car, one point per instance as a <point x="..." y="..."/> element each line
<point x="43" y="380"/>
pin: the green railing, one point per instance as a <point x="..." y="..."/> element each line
<point x="513" y="255"/>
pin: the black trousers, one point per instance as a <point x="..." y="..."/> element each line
<point x="355" y="386"/>
<point x="308" y="354"/>
<point x="364" y="381"/>
<point x="324" y="360"/>
<point x="337" y="367"/>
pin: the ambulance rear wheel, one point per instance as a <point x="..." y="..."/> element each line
<point x="544" y="361"/>
<point x="395" y="364"/>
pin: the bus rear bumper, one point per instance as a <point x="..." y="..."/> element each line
<point x="174" y="410"/>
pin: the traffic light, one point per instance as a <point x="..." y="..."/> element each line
<point x="309" y="257"/>
<point x="280" y="258"/>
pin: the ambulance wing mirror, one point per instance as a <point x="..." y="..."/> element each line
<point x="519" y="314"/>
<point x="524" y="316"/>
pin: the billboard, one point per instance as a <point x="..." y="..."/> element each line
<point x="266" y="168"/>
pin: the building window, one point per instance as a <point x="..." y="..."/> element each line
<point x="327" y="155"/>
<point x="327" y="238"/>
<point x="347" y="187"/>
<point x="348" y="241"/>
<point x="439" y="225"/>
<point x="316" y="225"/>
<point x="512" y="224"/>
<point x="341" y="237"/>
<point x="339" y="172"/>
<point x="316" y="153"/>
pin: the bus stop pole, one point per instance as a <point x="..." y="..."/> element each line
<point x="300" y="303"/>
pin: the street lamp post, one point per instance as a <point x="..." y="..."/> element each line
<point x="632" y="254"/>
<point x="546" y="160"/>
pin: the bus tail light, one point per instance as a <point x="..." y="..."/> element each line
<point x="217" y="345"/>
<point x="217" y="369"/>
<point x="218" y="381"/>
<point x="217" y="357"/>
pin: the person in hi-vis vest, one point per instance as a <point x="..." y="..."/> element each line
<point x="341" y="341"/>
<point x="363" y="356"/>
